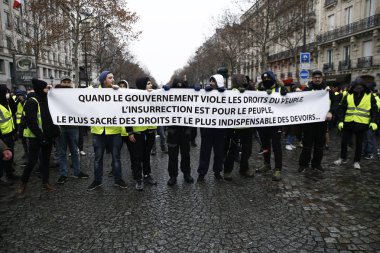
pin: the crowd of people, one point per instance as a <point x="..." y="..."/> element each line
<point x="26" y="117"/>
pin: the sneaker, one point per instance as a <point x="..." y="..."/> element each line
<point x="201" y="178"/>
<point x="121" y="183"/>
<point x="264" y="168"/>
<point x="276" y="175"/>
<point x="82" y="153"/>
<point x="301" y="168"/>
<point x="288" y="147"/>
<point x="319" y="167"/>
<point x="188" y="178"/>
<point x="172" y="181"/>
<point x="48" y="187"/>
<point x="139" y="185"/>
<point x="149" y="179"/>
<point x="227" y="176"/>
<point x="81" y="175"/>
<point x="293" y="147"/>
<point x="262" y="151"/>
<point x="218" y="176"/>
<point x="94" y="185"/>
<point x="300" y="144"/>
<point x="62" y="180"/>
<point x="369" y="157"/>
<point x="340" y="161"/>
<point x="21" y="189"/>
<point x="357" y="165"/>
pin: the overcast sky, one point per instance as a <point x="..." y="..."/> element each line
<point x="172" y="30"/>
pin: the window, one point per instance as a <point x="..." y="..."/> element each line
<point x="9" y="43"/>
<point x="367" y="48"/>
<point x="7" y="20"/>
<point x="331" y="22"/>
<point x="329" y="56"/>
<point x="348" y="15"/>
<point x="369" y="8"/>
<point x="2" y="66"/>
<point x="346" y="53"/>
<point x="18" y="26"/>
<point x="45" y="72"/>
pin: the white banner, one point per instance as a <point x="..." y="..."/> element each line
<point x="185" y="107"/>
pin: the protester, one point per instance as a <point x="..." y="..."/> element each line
<point x="357" y="113"/>
<point x="40" y="132"/>
<point x="212" y="139"/>
<point x="314" y="134"/>
<point x="20" y="102"/>
<point x="69" y="138"/>
<point x="103" y="136"/>
<point x="369" y="143"/>
<point x="272" y="134"/>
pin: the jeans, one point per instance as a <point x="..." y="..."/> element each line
<point x="69" y="137"/>
<point x="114" y="142"/>
<point x="290" y="139"/>
<point x="369" y="144"/>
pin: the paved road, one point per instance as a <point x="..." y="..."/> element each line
<point x="337" y="211"/>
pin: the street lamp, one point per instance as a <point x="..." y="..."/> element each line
<point x="51" y="80"/>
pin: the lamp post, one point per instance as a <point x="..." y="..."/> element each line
<point x="51" y="80"/>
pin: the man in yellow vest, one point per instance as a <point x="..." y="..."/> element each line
<point x="40" y="133"/>
<point x="20" y="102"/>
<point x="357" y="113"/>
<point x="7" y="129"/>
<point x="103" y="136"/>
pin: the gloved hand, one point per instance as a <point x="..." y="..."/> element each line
<point x="340" y="126"/>
<point x="269" y="92"/>
<point x="166" y="87"/>
<point x="115" y="87"/>
<point x="208" y="88"/>
<point x="373" y="126"/>
<point x="197" y="87"/>
<point x="241" y="90"/>
<point x="221" y="89"/>
<point x="283" y="91"/>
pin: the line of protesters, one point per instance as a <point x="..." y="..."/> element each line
<point x="354" y="111"/>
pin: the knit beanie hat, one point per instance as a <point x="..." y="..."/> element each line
<point x="103" y="76"/>
<point x="38" y="85"/>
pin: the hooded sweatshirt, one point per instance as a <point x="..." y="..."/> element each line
<point x="219" y="80"/>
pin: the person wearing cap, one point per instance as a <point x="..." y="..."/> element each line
<point x="40" y="132"/>
<point x="358" y="112"/>
<point x="314" y="134"/>
<point x="7" y="129"/>
<point x="69" y="138"/>
<point x="142" y="139"/>
<point x="212" y="139"/>
<point x="20" y="102"/>
<point x="103" y="136"/>
<point x="272" y="134"/>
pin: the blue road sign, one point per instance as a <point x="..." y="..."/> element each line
<point x="304" y="74"/>
<point x="305" y="58"/>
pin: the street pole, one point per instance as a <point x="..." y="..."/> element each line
<point x="85" y="60"/>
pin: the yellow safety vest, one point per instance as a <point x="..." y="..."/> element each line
<point x="361" y="113"/>
<point x="6" y="120"/>
<point x="124" y="132"/>
<point x="27" y="132"/>
<point x="377" y="101"/>
<point x="20" y="109"/>
<point x="107" y="130"/>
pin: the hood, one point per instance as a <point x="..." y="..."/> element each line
<point x="39" y="85"/>
<point x="269" y="74"/>
<point x="239" y="81"/>
<point x="219" y="80"/>
<point x="359" y="81"/>
<point x="141" y="82"/>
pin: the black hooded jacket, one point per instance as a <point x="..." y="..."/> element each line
<point x="49" y="130"/>
<point x="7" y="103"/>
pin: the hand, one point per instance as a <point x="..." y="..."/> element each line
<point x="283" y="92"/>
<point x="208" y="88"/>
<point x="7" y="155"/>
<point x="221" y="89"/>
<point x="197" y="87"/>
<point x="166" y="87"/>
<point x="241" y="90"/>
<point x="132" y="138"/>
<point x="269" y="92"/>
<point x="373" y="126"/>
<point x="327" y="88"/>
<point x="340" y="126"/>
<point x="115" y="87"/>
<point x="329" y="116"/>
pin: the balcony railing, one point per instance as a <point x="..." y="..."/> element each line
<point x="290" y="53"/>
<point x="328" y="67"/>
<point x="344" y="65"/>
<point x="365" y="62"/>
<point x="330" y="2"/>
<point x="359" y="26"/>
